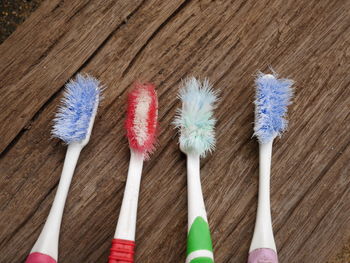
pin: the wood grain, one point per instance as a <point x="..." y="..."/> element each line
<point x="164" y="41"/>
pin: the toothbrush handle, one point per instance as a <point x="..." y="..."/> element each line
<point x="199" y="244"/>
<point x="122" y="251"/>
<point x="123" y="244"/>
<point x="45" y="250"/>
<point x="263" y="255"/>
<point x="263" y="247"/>
<point x="37" y="257"/>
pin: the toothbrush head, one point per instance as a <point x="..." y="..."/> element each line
<point x="75" y="117"/>
<point x="273" y="95"/>
<point x="195" y="119"/>
<point x="141" y="122"/>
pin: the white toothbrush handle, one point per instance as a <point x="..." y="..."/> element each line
<point x="199" y="244"/>
<point x="47" y="243"/>
<point x="196" y="206"/>
<point x="263" y="242"/>
<point x="124" y="238"/>
<point x="128" y="212"/>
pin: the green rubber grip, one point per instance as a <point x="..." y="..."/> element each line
<point x="202" y="260"/>
<point x="199" y="239"/>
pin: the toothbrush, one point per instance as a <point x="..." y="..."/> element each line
<point x="72" y="124"/>
<point x="196" y="123"/>
<point x="141" y="126"/>
<point x="273" y="95"/>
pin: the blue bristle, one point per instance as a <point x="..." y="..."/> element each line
<point x="80" y="102"/>
<point x="273" y="95"/>
<point x="195" y="119"/>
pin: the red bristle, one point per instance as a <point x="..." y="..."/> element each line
<point x="142" y="137"/>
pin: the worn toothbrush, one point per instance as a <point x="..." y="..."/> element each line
<point x="72" y="124"/>
<point x="196" y="123"/>
<point x="141" y="126"/>
<point x="273" y="95"/>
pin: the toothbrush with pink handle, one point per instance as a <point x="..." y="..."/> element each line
<point x="73" y="125"/>
<point x="273" y="95"/>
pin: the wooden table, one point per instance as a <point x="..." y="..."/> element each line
<point x="162" y="42"/>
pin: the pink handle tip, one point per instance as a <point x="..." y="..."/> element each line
<point x="263" y="255"/>
<point x="37" y="257"/>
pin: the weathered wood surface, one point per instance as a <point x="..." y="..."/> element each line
<point x="162" y="42"/>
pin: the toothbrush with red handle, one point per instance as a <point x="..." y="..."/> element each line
<point x="141" y="126"/>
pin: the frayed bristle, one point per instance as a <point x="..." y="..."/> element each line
<point x="141" y="121"/>
<point x="79" y="106"/>
<point x="195" y="119"/>
<point x="273" y="95"/>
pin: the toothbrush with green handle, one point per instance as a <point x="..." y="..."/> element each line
<point x="197" y="137"/>
<point x="199" y="245"/>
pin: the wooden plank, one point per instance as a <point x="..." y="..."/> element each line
<point x="164" y="41"/>
<point x="37" y="62"/>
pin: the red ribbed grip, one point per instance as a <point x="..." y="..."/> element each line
<point x="122" y="251"/>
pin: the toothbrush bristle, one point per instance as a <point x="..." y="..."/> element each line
<point x="141" y="121"/>
<point x="79" y="105"/>
<point x="273" y="95"/>
<point x="195" y="119"/>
